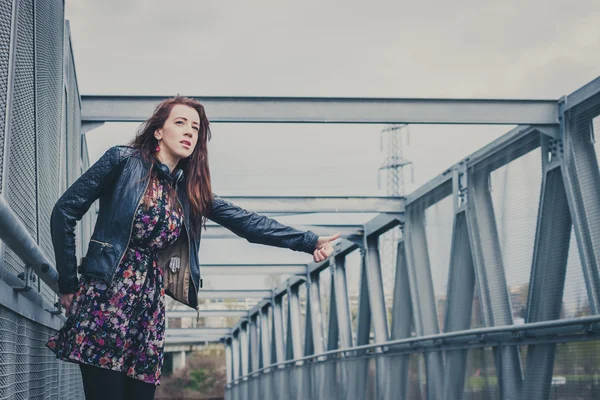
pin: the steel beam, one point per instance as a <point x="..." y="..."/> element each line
<point x="347" y="231"/>
<point x="342" y="304"/>
<point x="489" y="269"/>
<point x="548" y="274"/>
<point x="206" y="313"/>
<point x="265" y="341"/>
<point x="319" y="204"/>
<point x="402" y="322"/>
<point x="422" y="294"/>
<point x="254" y="269"/>
<point x="358" y="370"/>
<point x="582" y="181"/>
<point x="244" y="348"/>
<point x="278" y="348"/>
<point x="254" y="343"/>
<point x="316" y="316"/>
<point x="461" y="286"/>
<point x="190" y="332"/>
<point x="190" y="341"/>
<point x="229" y="360"/>
<point x="236" y="357"/>
<point x="333" y="332"/>
<point x="332" y="110"/>
<point x="294" y="317"/>
<point x="375" y="287"/>
<point x="501" y="151"/>
<point x="583" y="95"/>
<point x="233" y="294"/>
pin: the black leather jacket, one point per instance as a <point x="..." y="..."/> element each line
<point x="119" y="179"/>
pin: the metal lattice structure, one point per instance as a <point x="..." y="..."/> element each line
<point x="497" y="275"/>
<point x="498" y="305"/>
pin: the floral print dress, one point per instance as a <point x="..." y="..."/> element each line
<point x="121" y="325"/>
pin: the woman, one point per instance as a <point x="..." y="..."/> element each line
<point x="155" y="196"/>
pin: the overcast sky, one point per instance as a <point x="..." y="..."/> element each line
<point x="464" y="48"/>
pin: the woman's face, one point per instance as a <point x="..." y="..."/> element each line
<point x="179" y="134"/>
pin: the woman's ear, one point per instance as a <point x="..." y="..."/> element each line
<point x="158" y="134"/>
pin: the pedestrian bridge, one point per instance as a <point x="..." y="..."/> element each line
<point x="493" y="291"/>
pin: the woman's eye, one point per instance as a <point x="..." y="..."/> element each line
<point x="179" y="122"/>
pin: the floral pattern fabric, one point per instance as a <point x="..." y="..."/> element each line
<point x="121" y="325"/>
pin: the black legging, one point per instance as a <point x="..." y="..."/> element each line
<point x="104" y="384"/>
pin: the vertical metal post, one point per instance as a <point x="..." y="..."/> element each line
<point x="489" y="268"/>
<point x="421" y="288"/>
<point x="582" y="182"/>
<point x="315" y="318"/>
<point x="402" y="319"/>
<point x="265" y="354"/>
<point x="236" y="355"/>
<point x="375" y="286"/>
<point x="229" y="360"/>
<point x="265" y="342"/>
<point x="254" y="343"/>
<point x="342" y="306"/>
<point x="548" y="271"/>
<point x="294" y="315"/>
<point x="378" y="309"/>
<point x="333" y="334"/>
<point x="278" y="351"/>
<point x="461" y="286"/>
<point x="244" y="348"/>
<point x="357" y="369"/>
<point x="316" y="314"/>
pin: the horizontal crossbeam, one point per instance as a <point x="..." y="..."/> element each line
<point x="256" y="269"/>
<point x="193" y="345"/>
<point x="196" y="332"/>
<point x="233" y="294"/>
<point x="321" y="204"/>
<point x="333" y="110"/>
<point x="206" y="313"/>
<point x="349" y="231"/>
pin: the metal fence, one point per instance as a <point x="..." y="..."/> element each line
<point x="40" y="154"/>
<point x="496" y="291"/>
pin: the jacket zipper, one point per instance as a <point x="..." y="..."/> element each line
<point x="189" y="238"/>
<point x="131" y="229"/>
<point x="104" y="244"/>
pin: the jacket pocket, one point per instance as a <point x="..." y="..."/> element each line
<point x="98" y="259"/>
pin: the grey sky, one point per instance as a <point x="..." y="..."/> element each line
<point x="465" y="48"/>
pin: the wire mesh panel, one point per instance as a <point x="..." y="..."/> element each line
<point x="481" y="380"/>
<point x="576" y="371"/>
<point x="19" y="189"/>
<point x="438" y="229"/>
<point x="515" y="194"/>
<point x="28" y="370"/>
<point x="49" y="81"/>
<point x="5" y="31"/>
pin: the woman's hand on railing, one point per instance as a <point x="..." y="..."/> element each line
<point x="66" y="300"/>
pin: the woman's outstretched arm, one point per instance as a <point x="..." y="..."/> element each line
<point x="264" y="230"/>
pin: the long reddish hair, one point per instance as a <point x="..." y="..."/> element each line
<point x="195" y="167"/>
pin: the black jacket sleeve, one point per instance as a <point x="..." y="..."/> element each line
<point x="259" y="228"/>
<point x="70" y="208"/>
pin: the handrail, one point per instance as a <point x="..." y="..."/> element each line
<point x="490" y="335"/>
<point x="18" y="239"/>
